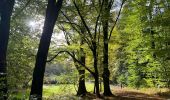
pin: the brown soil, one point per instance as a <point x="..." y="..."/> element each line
<point x="124" y="94"/>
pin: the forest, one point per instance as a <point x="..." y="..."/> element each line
<point x="84" y="49"/>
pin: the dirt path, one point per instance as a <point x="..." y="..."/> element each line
<point x="134" y="94"/>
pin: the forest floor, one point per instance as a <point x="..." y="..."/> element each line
<point x="119" y="94"/>
<point x="68" y="91"/>
<point x="137" y="94"/>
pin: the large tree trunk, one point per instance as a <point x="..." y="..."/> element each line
<point x="6" y="7"/>
<point x="82" y="87"/>
<point x="52" y="13"/>
<point x="106" y="72"/>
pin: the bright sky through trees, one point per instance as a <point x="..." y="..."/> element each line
<point x="104" y="43"/>
<point x="32" y="24"/>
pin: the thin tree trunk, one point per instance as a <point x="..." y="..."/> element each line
<point x="96" y="75"/>
<point x="6" y="7"/>
<point x="106" y="72"/>
<point x="52" y="13"/>
<point x="97" y="85"/>
<point x="94" y="89"/>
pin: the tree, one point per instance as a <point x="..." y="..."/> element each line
<point x="92" y="43"/>
<point x="87" y="37"/>
<point x="133" y="47"/>
<point x="81" y="57"/>
<point x="105" y="24"/>
<point x="92" y="34"/>
<point x="6" y="7"/>
<point x="145" y="33"/>
<point x="52" y="13"/>
<point x="107" y="7"/>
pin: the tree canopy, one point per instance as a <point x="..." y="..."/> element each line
<point x="101" y="42"/>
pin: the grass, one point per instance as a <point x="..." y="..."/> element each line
<point x="63" y="90"/>
<point x="50" y="91"/>
<point x="19" y="95"/>
<point x="68" y="92"/>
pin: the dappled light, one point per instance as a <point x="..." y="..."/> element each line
<point x="32" y="24"/>
<point x="84" y="49"/>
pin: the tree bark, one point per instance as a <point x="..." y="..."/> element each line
<point x="106" y="72"/>
<point x="82" y="87"/>
<point x="6" y="7"/>
<point x="52" y="13"/>
<point x="96" y="75"/>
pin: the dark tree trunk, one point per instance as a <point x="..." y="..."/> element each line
<point x="6" y="7"/>
<point x="96" y="75"/>
<point x="106" y="72"/>
<point x="82" y="87"/>
<point x="52" y="13"/>
<point x="106" y="75"/>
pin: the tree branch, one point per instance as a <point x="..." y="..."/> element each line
<point x="69" y="23"/>
<point x="65" y="34"/>
<point x="84" y="37"/>
<point x="74" y="58"/>
<point x="96" y="25"/>
<point x="22" y="9"/>
<point x="117" y="18"/>
<point x="82" y="19"/>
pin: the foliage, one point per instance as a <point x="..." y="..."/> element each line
<point x="142" y="46"/>
<point x="138" y="48"/>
